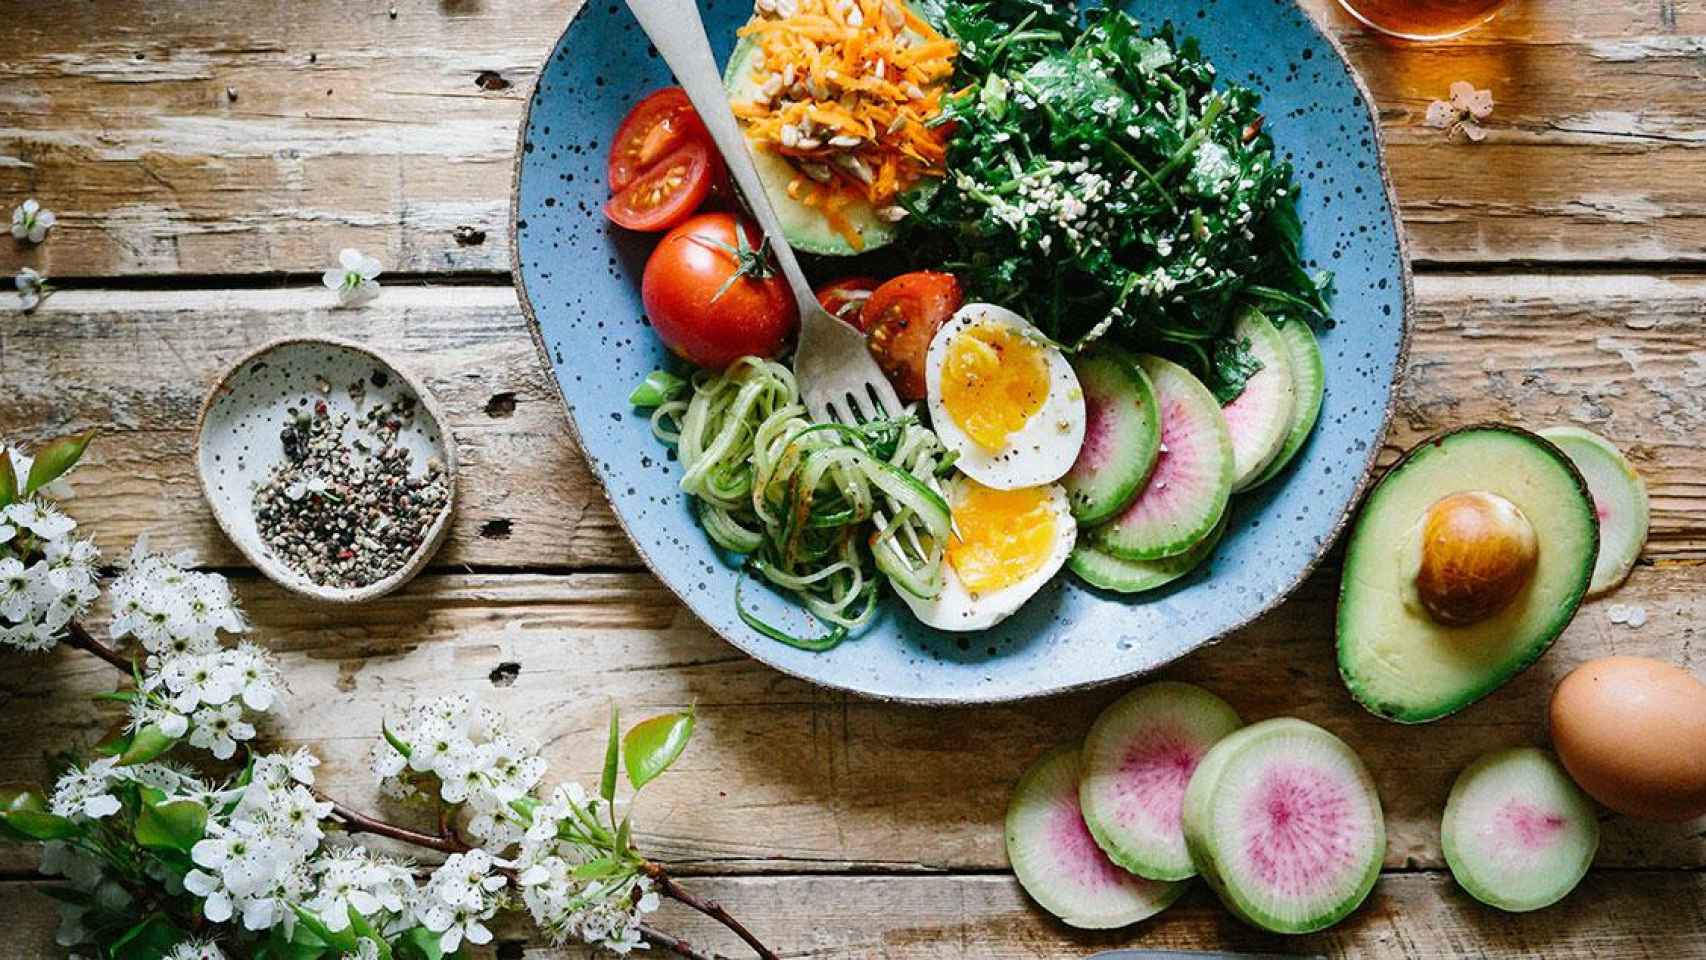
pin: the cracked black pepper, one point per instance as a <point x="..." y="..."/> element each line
<point x="341" y="508"/>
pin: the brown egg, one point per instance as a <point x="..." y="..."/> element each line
<point x="1478" y="552"/>
<point x="1632" y="732"/>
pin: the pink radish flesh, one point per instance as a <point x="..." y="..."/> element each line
<point x="1176" y="467"/>
<point x="1153" y="777"/>
<point x="1532" y="827"/>
<point x="1075" y="851"/>
<point x="1301" y="840"/>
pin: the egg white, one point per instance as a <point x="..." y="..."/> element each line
<point x="1041" y="451"/>
<point x="957" y="608"/>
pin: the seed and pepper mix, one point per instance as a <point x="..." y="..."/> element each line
<point x="342" y="508"/>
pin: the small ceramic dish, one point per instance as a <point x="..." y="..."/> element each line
<point x="238" y="442"/>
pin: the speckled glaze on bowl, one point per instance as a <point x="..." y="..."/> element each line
<point x="237" y="443"/>
<point x="580" y="277"/>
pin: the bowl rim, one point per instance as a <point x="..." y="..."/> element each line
<point x="1400" y="371"/>
<point x="273" y="568"/>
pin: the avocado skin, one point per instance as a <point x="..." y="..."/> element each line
<point x="1412" y="713"/>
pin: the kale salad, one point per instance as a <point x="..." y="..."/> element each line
<point x="1101" y="185"/>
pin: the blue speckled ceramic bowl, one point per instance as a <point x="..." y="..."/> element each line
<point x="580" y="278"/>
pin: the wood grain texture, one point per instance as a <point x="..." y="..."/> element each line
<point x="174" y="137"/>
<point x="1629" y="915"/>
<point x="1621" y="354"/>
<point x="785" y="776"/>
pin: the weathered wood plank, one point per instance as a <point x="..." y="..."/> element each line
<point x="1631" y="915"/>
<point x="787" y="776"/>
<point x="190" y="140"/>
<point x="1624" y="355"/>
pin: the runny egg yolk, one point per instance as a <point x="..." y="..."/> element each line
<point x="1000" y="536"/>
<point x="993" y="381"/>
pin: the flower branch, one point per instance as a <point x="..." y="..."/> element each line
<point x="157" y="862"/>
<point x="667" y="885"/>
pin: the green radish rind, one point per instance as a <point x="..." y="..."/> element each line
<point x="1112" y="378"/>
<point x="1534" y="779"/>
<point x="1309" y="375"/>
<point x="1168" y="716"/>
<point x="1616" y="487"/>
<point x="1139" y="532"/>
<point x="1105" y="571"/>
<point x="1264" y="408"/>
<point x="1045" y="797"/>
<point x="1206" y="836"/>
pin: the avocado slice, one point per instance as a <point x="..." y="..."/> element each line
<point x="1398" y="660"/>
<point x="805" y="227"/>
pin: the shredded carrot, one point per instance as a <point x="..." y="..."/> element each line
<point x="868" y="71"/>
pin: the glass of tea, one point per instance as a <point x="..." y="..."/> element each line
<point x="1423" y="19"/>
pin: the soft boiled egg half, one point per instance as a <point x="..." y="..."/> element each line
<point x="1004" y="546"/>
<point x="1003" y="398"/>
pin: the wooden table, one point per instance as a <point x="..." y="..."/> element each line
<point x="208" y="160"/>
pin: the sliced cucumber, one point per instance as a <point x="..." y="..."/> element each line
<point x="1283" y="821"/>
<point x="1058" y="862"/>
<point x="1518" y="833"/>
<point x="1188" y="489"/>
<point x="1101" y="569"/>
<point x="1310" y="378"/>
<point x="1122" y="434"/>
<point x="1260" y="417"/>
<point x="1137" y="760"/>
<point x="1619" y="497"/>
<point x="805" y="227"/>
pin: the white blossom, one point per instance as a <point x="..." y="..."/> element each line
<point x="605" y="911"/>
<point x="1462" y="111"/>
<point x="196" y="950"/>
<point x="353" y="279"/>
<point x="32" y="287"/>
<point x="30" y="222"/>
<point x="219" y="729"/>
<point x="460" y="896"/>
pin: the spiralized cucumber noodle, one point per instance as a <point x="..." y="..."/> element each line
<point x="813" y="506"/>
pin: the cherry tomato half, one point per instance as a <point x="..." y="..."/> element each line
<point x="845" y="298"/>
<point x="656" y="126"/>
<point x="695" y="308"/>
<point x="902" y="317"/>
<point x="668" y="191"/>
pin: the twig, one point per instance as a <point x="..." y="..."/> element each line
<point x="675" y="945"/>
<point x="710" y="908"/>
<point x="82" y="640"/>
<point x="354" y="821"/>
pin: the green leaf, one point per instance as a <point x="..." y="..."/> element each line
<point x="607" y="783"/>
<point x="419" y="943"/>
<point x="362" y="928"/>
<point x="35" y="825"/>
<point x="625" y="836"/>
<point x="145" y="745"/>
<point x="114" y="744"/>
<point x="595" y="869"/>
<point x="303" y="944"/>
<point x="659" y="387"/>
<point x="342" y="940"/>
<point x="524" y="807"/>
<point x="395" y="741"/>
<point x="151" y="939"/>
<point x="654" y="744"/>
<point x="76" y="898"/>
<point x="19" y="798"/>
<point x="8" y="478"/>
<point x="53" y="460"/>
<point x="173" y="825"/>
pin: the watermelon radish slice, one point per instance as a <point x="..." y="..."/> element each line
<point x="1260" y="417"/>
<point x="1518" y="833"/>
<point x="1192" y="480"/>
<point x="1101" y="569"/>
<point x="1310" y="379"/>
<point x="1283" y="821"/>
<point x="1619" y="497"/>
<point x="1137" y="760"/>
<point x="1122" y="434"/>
<point x="1057" y="860"/>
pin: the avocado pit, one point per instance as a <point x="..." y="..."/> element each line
<point x="1478" y="551"/>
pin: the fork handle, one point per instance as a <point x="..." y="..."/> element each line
<point x="678" y="32"/>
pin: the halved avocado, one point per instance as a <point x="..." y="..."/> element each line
<point x="805" y="227"/>
<point x="1397" y="655"/>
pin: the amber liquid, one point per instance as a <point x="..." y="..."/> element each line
<point x="1423" y="19"/>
